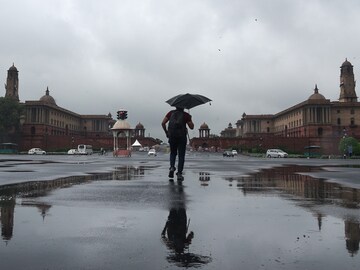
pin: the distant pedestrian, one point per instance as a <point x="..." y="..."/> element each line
<point x="176" y="131"/>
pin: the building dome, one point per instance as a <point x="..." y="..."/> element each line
<point x="139" y="126"/>
<point x="13" y="68"/>
<point x="204" y="126"/>
<point x="121" y="124"/>
<point x="316" y="95"/>
<point x="47" y="98"/>
<point x="346" y="63"/>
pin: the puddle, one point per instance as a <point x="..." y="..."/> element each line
<point x="276" y="218"/>
<point x="317" y="196"/>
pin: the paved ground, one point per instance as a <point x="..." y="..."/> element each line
<point x="100" y="212"/>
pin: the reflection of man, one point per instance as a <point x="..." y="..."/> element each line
<point x="175" y="230"/>
<point x="175" y="233"/>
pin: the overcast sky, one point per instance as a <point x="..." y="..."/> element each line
<point x="252" y="56"/>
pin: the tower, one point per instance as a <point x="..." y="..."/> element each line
<point x="12" y="83"/>
<point x="204" y="131"/>
<point x="347" y="83"/>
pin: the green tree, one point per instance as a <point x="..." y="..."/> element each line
<point x="10" y="112"/>
<point x="349" y="141"/>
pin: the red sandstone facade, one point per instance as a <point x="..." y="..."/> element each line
<point x="51" y="127"/>
<point x="315" y="121"/>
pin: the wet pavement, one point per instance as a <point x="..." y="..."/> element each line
<point x="100" y="212"/>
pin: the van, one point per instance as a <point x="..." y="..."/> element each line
<point x="84" y="149"/>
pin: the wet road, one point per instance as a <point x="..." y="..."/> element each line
<point x="100" y="212"/>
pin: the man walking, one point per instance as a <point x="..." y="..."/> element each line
<point x="176" y="132"/>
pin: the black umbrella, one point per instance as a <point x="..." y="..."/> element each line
<point x="187" y="101"/>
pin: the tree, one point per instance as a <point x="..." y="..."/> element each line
<point x="10" y="112"/>
<point x="347" y="142"/>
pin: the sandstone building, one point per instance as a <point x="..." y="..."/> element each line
<point x="316" y="121"/>
<point x="51" y="127"/>
<point x="314" y="117"/>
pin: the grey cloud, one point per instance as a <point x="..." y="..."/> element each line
<point x="248" y="56"/>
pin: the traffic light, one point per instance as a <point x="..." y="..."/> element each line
<point x="122" y="114"/>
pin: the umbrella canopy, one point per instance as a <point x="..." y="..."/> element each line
<point x="187" y="101"/>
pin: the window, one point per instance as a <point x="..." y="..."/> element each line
<point x="352" y="111"/>
<point x="320" y="131"/>
<point x="352" y="121"/>
<point x="339" y="121"/>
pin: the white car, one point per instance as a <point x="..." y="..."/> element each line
<point x="36" y="151"/>
<point x="152" y="152"/>
<point x="234" y="152"/>
<point x="276" y="153"/>
<point x="73" y="152"/>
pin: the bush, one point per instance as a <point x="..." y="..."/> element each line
<point x="349" y="142"/>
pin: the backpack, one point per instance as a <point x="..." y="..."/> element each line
<point x="177" y="126"/>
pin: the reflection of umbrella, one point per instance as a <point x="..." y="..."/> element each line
<point x="187" y="101"/>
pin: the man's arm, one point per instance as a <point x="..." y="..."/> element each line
<point x="190" y="123"/>
<point x="163" y="124"/>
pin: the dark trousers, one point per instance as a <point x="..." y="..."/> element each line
<point x="178" y="147"/>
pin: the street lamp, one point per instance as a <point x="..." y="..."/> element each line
<point x="22" y="120"/>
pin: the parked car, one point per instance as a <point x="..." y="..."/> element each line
<point x="152" y="152"/>
<point x="73" y="152"/>
<point x="276" y="153"/>
<point x="36" y="151"/>
<point x="228" y="154"/>
<point x="234" y="152"/>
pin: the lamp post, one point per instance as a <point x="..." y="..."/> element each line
<point x="22" y="120"/>
<point x="344" y="137"/>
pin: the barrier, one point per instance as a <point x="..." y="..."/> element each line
<point x="122" y="153"/>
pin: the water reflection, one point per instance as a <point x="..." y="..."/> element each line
<point x="204" y="178"/>
<point x="7" y="206"/>
<point x="34" y="189"/>
<point x="352" y="236"/>
<point x="176" y="235"/>
<point x="308" y="192"/>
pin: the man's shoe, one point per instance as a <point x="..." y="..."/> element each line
<point x="171" y="172"/>
<point x="180" y="177"/>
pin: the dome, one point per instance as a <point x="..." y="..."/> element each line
<point x="121" y="124"/>
<point x="47" y="98"/>
<point x="139" y="126"/>
<point x="316" y="95"/>
<point x="204" y="126"/>
<point x="346" y="63"/>
<point x="13" y="68"/>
